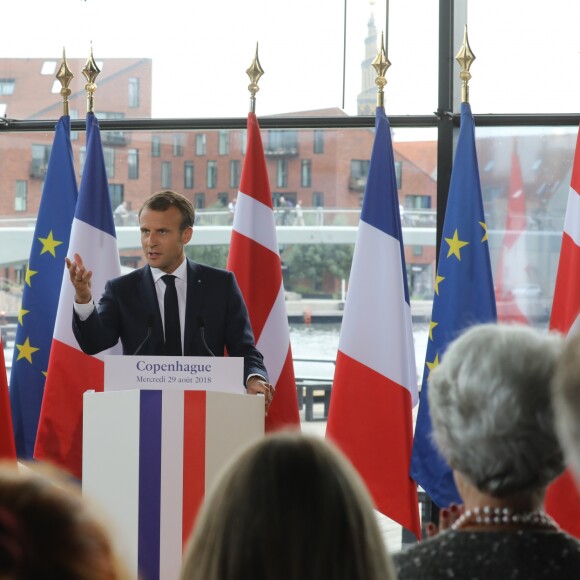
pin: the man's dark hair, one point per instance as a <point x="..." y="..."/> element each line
<point x="163" y="200"/>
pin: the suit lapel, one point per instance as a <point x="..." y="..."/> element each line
<point x="147" y="287"/>
<point x="194" y="301"/>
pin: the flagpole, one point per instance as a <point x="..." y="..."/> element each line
<point x="465" y="58"/>
<point x="254" y="71"/>
<point x="91" y="72"/>
<point x="64" y="76"/>
<point x="381" y="64"/>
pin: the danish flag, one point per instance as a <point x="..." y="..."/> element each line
<point x="255" y="261"/>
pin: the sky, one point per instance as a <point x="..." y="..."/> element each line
<point x="528" y="51"/>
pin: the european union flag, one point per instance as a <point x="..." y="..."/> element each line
<point x="42" y="290"/>
<point x="463" y="296"/>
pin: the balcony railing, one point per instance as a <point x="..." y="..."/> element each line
<point x="115" y="138"/>
<point x="281" y="151"/>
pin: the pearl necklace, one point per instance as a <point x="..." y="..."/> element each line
<point x="497" y="516"/>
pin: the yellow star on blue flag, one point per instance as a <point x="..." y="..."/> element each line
<point x="26" y="350"/>
<point x="49" y="244"/>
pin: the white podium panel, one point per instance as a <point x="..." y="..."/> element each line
<point x="149" y="456"/>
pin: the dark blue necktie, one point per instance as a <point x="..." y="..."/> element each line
<point x="171" y="310"/>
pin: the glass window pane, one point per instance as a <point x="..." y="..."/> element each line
<point x="211" y="174"/>
<point x="188" y="175"/>
<point x="20" y="198"/>
<point x="166" y="175"/>
<point x="540" y="80"/>
<point x="133" y="163"/>
<point x="134" y="96"/>
<point x="155" y="146"/>
<point x="525" y="180"/>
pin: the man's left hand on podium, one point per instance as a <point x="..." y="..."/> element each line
<point x="258" y="386"/>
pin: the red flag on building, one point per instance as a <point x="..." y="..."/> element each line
<point x="511" y="277"/>
<point x="255" y="261"/>
<point x="7" y="446"/>
<point x="562" y="499"/>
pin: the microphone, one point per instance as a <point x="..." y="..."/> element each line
<point x="201" y="325"/>
<point x="150" y="320"/>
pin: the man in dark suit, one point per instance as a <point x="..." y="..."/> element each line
<point x="212" y="313"/>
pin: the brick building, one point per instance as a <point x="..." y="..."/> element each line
<point x="320" y="167"/>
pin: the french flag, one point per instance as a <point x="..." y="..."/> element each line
<point x="563" y="499"/>
<point x="70" y="371"/>
<point x="375" y="381"/>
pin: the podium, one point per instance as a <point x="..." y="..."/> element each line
<point x="148" y="457"/>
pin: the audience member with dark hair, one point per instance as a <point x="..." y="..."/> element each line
<point x="493" y="422"/>
<point x="566" y="394"/>
<point x="48" y="531"/>
<point x="288" y="508"/>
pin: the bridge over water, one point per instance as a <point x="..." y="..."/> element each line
<point x="322" y="226"/>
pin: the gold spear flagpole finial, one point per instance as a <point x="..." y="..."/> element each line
<point x="465" y="58"/>
<point x="65" y="76"/>
<point x="91" y="72"/>
<point x="254" y="71"/>
<point x="381" y="64"/>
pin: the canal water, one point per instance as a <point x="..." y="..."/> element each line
<point x="318" y="342"/>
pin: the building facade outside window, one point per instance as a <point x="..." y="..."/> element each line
<point x="178" y="144"/>
<point x="318" y="199"/>
<point x="199" y="200"/>
<point x="282" y="141"/>
<point x="116" y="193"/>
<point x="359" y="169"/>
<point x="318" y="145"/>
<point x="116" y="138"/>
<point x="134" y="97"/>
<point x="21" y="195"/>
<point x="222" y="198"/>
<point x="40" y="156"/>
<point x="166" y="175"/>
<point x="109" y="155"/>
<point x="155" y="146"/>
<point x="74" y="114"/>
<point x="305" y="173"/>
<point x="244" y="141"/>
<point x="188" y="175"/>
<point x="133" y="163"/>
<point x="224" y="142"/>
<point x="82" y="159"/>
<point x="211" y="174"/>
<point x="281" y="173"/>
<point x="235" y="173"/>
<point x="7" y="86"/>
<point x="418" y="201"/>
<point x="200" y="144"/>
<point x="399" y="174"/>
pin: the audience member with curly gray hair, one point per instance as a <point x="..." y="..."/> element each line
<point x="288" y="508"/>
<point x="566" y="393"/>
<point x="493" y="422"/>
